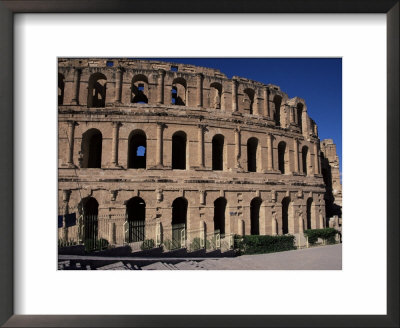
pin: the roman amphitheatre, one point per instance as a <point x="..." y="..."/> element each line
<point x="178" y="154"/>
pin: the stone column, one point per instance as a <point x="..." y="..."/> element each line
<point x="201" y="146"/>
<point x="234" y="96"/>
<point x="66" y="196"/>
<point x="118" y="85"/>
<point x="160" y="90"/>
<point x="316" y="159"/>
<point x="71" y="137"/>
<point x="237" y="148"/>
<point x="291" y="115"/>
<point x="199" y="89"/>
<point x="270" y="165"/>
<point x="116" y="126"/>
<point x="159" y="154"/>
<point x="256" y="105"/>
<point x="75" y="99"/>
<point x="296" y="155"/>
<point x="266" y="102"/>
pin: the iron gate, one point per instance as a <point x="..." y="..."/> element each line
<point x="178" y="235"/>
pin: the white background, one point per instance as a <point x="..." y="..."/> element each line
<point x="360" y="288"/>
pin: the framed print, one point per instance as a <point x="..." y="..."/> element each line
<point x="36" y="34"/>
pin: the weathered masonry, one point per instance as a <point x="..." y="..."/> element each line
<point x="178" y="153"/>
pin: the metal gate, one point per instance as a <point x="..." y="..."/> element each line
<point x="88" y="230"/>
<point x="134" y="231"/>
<point x="178" y="235"/>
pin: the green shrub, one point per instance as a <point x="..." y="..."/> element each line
<point x="327" y="234"/>
<point x="263" y="244"/>
<point x="167" y="244"/>
<point x="195" y="245"/>
<point x="95" y="244"/>
<point x="147" y="244"/>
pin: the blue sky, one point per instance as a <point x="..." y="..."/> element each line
<point x="317" y="80"/>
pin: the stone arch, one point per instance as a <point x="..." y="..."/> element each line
<point x="136" y="217"/>
<point x="179" y="145"/>
<point x="248" y="100"/>
<point x="89" y="209"/>
<point x="285" y="215"/>
<point x="61" y="85"/>
<point x="305" y="159"/>
<point x="218" y="145"/>
<point x="91" y="149"/>
<point x="255" y="206"/>
<point x="97" y="90"/>
<point x="140" y="89"/>
<point x="283" y="161"/>
<point x="178" y="92"/>
<point x="277" y="101"/>
<point x="299" y="111"/>
<point x="253" y="155"/>
<point x="215" y="95"/>
<point x="137" y="150"/>
<point x="220" y="215"/>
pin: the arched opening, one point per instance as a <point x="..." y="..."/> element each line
<point x="255" y="216"/>
<point x="136" y="217"/>
<point x="137" y="150"/>
<point x="140" y="89"/>
<point x="299" y="115"/>
<point x="304" y="155"/>
<point x="277" y="114"/>
<point x="215" y="95"/>
<point x="218" y="152"/>
<point x="282" y="156"/>
<point x="97" y="90"/>
<point x="252" y="145"/>
<point x="219" y="215"/>
<point x="179" y="151"/>
<point x="178" y="92"/>
<point x="309" y="204"/>
<point x="91" y="149"/>
<point x="248" y="100"/>
<point x="61" y="85"/>
<point x="285" y="215"/>
<point x="89" y="209"/>
<point x="179" y="216"/>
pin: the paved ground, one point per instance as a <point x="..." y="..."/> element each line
<point x="316" y="258"/>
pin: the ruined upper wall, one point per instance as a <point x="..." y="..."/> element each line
<point x="124" y="82"/>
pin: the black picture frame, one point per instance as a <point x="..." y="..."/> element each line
<point x="7" y="10"/>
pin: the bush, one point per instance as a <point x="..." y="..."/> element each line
<point x="147" y="244"/>
<point x="327" y="234"/>
<point x="195" y="245"/>
<point x="167" y="244"/>
<point x="95" y="245"/>
<point x="263" y="244"/>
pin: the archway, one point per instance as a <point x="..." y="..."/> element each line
<point x="179" y="151"/>
<point x="285" y="215"/>
<point x="137" y="150"/>
<point x="140" y="89"/>
<point x="282" y="157"/>
<point x="299" y="115"/>
<point x="91" y="149"/>
<point x="304" y="156"/>
<point x="136" y="217"/>
<point x="252" y="146"/>
<point x="89" y="209"/>
<point x="277" y="114"/>
<point x="215" y="95"/>
<point x="61" y="85"/>
<point x="248" y="99"/>
<point x="179" y="217"/>
<point x="309" y="213"/>
<point x="97" y="90"/>
<point x="219" y="215"/>
<point x="218" y="152"/>
<point x="178" y="92"/>
<point x="255" y="216"/>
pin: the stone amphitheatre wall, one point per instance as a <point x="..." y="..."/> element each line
<point x="234" y="151"/>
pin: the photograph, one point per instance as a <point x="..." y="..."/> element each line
<point x="199" y="163"/>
